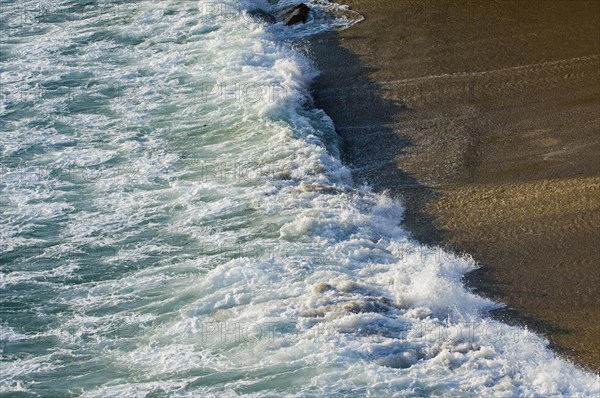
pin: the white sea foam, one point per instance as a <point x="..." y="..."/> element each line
<point x="181" y="224"/>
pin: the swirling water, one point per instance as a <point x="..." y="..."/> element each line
<point x="176" y="221"/>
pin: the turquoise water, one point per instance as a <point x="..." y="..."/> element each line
<point x="176" y="222"/>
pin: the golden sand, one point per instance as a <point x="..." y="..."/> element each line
<point x="485" y="117"/>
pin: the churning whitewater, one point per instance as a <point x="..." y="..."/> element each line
<point x="176" y="221"/>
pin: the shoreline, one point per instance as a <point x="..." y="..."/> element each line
<point x="486" y="127"/>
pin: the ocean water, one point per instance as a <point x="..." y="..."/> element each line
<point x="176" y="221"/>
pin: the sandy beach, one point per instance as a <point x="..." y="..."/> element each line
<point x="484" y="117"/>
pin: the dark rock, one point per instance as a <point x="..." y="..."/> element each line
<point x="295" y="14"/>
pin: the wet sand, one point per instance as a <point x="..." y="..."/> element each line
<point x="484" y="117"/>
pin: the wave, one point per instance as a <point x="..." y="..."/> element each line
<point x="179" y="222"/>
